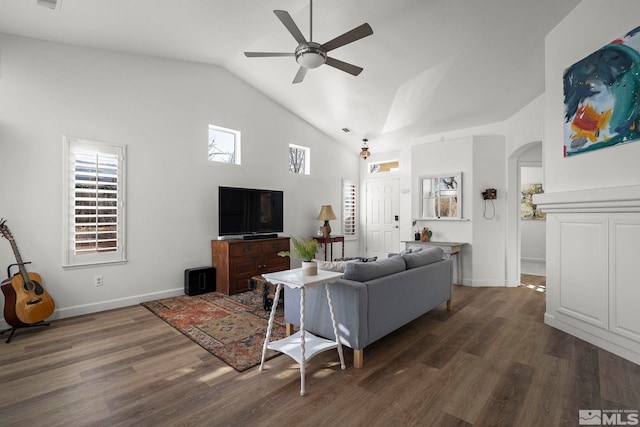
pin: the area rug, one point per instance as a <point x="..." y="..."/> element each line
<point x="231" y="328"/>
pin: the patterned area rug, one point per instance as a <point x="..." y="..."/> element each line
<point x="231" y="328"/>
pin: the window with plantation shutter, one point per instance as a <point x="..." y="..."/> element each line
<point x="94" y="229"/>
<point x="349" y="211"/>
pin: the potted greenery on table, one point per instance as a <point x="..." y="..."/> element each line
<point x="305" y="249"/>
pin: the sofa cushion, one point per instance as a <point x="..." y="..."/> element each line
<point x="423" y="257"/>
<point x="365" y="271"/>
<point x="406" y="251"/>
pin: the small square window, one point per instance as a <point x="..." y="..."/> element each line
<point x="224" y="145"/>
<point x="384" y="167"/>
<point x="299" y="159"/>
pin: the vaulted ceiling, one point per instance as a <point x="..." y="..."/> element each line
<point x="431" y="66"/>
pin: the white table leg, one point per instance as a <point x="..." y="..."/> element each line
<point x="274" y="307"/>
<point x="335" y="327"/>
<point x="303" y="361"/>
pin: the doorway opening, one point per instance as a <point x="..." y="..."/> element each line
<point x="531" y="221"/>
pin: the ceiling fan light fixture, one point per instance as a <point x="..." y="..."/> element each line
<point x="310" y="55"/>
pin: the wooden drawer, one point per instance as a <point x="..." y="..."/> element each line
<point x="245" y="249"/>
<point x="275" y="246"/>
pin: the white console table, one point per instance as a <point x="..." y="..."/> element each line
<point x="450" y="249"/>
<point x="302" y="346"/>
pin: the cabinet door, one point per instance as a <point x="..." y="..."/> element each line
<point x="624" y="238"/>
<point x="580" y="244"/>
<point x="271" y="261"/>
<point x="241" y="270"/>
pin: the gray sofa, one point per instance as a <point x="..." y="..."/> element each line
<point x="373" y="299"/>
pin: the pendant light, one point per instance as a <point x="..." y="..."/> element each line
<point x="365" y="150"/>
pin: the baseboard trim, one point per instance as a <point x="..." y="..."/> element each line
<point x="79" y="310"/>
<point x="487" y="283"/>
<point x="534" y="260"/>
<point x="603" y="343"/>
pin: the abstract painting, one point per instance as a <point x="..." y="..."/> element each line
<point x="601" y="97"/>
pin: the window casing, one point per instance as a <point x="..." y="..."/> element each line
<point x="94" y="208"/>
<point x="224" y="145"/>
<point x="384" y="167"/>
<point x="299" y="159"/>
<point x="349" y="208"/>
<point x="441" y="196"/>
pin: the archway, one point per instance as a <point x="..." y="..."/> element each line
<point x="529" y="154"/>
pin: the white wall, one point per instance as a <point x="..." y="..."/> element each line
<point x="445" y="157"/>
<point x="160" y="109"/>
<point x="488" y="242"/>
<point x="481" y="161"/>
<point x="590" y="26"/>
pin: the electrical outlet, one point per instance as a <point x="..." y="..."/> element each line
<point x="98" y="280"/>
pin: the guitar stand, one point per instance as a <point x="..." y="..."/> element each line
<point x="22" y="325"/>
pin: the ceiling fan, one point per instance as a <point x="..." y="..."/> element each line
<point x="310" y="54"/>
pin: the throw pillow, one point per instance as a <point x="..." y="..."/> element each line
<point x="365" y="271"/>
<point x="423" y="257"/>
<point x="356" y="258"/>
<point x="338" y="266"/>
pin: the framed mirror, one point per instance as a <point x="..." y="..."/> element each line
<point x="441" y="196"/>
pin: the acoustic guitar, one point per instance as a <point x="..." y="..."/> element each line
<point x="25" y="300"/>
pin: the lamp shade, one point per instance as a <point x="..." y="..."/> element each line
<point x="326" y="213"/>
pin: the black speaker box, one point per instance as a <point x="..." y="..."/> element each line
<point x="199" y="280"/>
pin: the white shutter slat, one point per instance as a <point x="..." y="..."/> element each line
<point x="95" y="200"/>
<point x="349" y="209"/>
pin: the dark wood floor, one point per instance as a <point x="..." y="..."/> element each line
<point x="489" y="362"/>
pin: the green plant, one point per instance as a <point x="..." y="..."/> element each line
<point x="304" y="248"/>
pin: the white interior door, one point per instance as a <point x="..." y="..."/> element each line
<point x="383" y="206"/>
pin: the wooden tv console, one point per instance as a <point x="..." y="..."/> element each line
<point x="237" y="261"/>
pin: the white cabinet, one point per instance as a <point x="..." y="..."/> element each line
<point x="593" y="266"/>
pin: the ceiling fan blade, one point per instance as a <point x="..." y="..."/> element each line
<point x="300" y="75"/>
<point x="288" y="22"/>
<point x="267" y="54"/>
<point x="340" y="65"/>
<point x="357" y="33"/>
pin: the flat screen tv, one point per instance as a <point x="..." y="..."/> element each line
<point x="249" y="211"/>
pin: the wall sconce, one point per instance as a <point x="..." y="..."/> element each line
<point x="365" y="150"/>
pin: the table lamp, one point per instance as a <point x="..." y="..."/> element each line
<point x="326" y="214"/>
